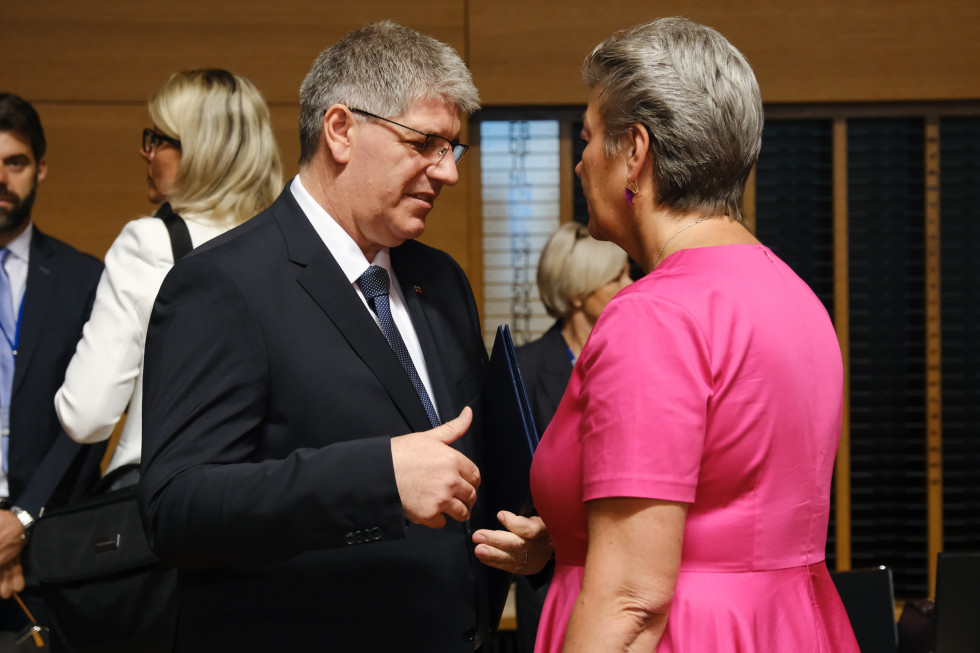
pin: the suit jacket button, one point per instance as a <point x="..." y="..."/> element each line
<point x="349" y="538"/>
<point x="469" y="634"/>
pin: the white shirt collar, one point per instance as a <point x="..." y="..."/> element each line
<point x="345" y="251"/>
<point x="20" y="247"/>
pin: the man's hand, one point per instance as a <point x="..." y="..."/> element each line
<point x="434" y="479"/>
<point x="11" y="537"/>
<point x="11" y="579"/>
<point x="524" y="548"/>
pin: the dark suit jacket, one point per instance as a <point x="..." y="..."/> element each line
<point x="270" y="397"/>
<point x="61" y="283"/>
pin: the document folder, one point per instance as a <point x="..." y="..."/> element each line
<point x="511" y="438"/>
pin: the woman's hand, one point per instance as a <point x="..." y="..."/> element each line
<point x="524" y="548"/>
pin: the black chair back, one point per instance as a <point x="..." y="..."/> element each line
<point x="957" y="615"/>
<point x="869" y="598"/>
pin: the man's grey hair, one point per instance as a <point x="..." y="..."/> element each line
<point x="698" y="98"/>
<point x="382" y="68"/>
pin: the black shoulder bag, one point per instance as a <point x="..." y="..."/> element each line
<point x="105" y="590"/>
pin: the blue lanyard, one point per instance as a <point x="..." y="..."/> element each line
<point x="16" y="338"/>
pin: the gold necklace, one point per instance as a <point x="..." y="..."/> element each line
<point x="676" y="234"/>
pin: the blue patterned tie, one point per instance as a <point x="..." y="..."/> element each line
<point x="374" y="284"/>
<point x="9" y="326"/>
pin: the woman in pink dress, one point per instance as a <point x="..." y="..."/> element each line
<point x="685" y="479"/>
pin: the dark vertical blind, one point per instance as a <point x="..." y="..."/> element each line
<point x="795" y="200"/>
<point x="960" y="221"/>
<point x="887" y="342"/>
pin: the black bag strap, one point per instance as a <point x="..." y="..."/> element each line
<point x="63" y="465"/>
<point x="55" y="494"/>
<point x="180" y="238"/>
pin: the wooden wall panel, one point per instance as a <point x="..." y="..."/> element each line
<point x="119" y="50"/>
<point x="830" y="51"/>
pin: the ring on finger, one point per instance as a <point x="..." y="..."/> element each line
<point x="524" y="562"/>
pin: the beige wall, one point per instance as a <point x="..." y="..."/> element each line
<point x="90" y="65"/>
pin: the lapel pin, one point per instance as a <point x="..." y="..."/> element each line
<point x="418" y="289"/>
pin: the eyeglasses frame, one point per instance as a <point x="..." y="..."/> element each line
<point x="154" y="138"/>
<point x="458" y="149"/>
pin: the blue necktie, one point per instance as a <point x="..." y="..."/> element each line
<point x="9" y="326"/>
<point x="374" y="284"/>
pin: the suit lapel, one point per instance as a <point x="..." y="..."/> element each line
<point x="321" y="277"/>
<point x="37" y="299"/>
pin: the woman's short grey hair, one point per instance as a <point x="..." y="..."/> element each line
<point x="229" y="162"/>
<point x="572" y="265"/>
<point x="381" y="68"/>
<point x="697" y="97"/>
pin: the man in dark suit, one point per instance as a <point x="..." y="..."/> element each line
<point x="46" y="293"/>
<point x="291" y="468"/>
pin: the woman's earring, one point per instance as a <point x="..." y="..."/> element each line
<point x="632" y="190"/>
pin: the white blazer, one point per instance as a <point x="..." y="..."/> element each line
<point x="105" y="376"/>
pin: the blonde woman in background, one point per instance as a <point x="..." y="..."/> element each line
<point x="211" y="155"/>
<point x="577" y="276"/>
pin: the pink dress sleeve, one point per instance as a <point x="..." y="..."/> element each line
<point x="645" y="402"/>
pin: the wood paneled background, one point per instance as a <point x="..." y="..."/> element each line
<point x="89" y="66"/>
<point x="831" y="51"/>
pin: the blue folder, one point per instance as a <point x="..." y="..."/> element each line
<point x="511" y="439"/>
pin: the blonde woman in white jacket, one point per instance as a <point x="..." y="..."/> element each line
<point x="211" y="155"/>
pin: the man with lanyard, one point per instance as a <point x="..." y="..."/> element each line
<point x="46" y="293"/>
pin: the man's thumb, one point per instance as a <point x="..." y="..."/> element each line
<point x="454" y="429"/>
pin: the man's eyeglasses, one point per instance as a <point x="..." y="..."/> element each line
<point x="434" y="148"/>
<point x="152" y="139"/>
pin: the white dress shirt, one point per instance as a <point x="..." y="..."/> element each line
<point x="105" y="376"/>
<point x="16" y="268"/>
<point x="353" y="263"/>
